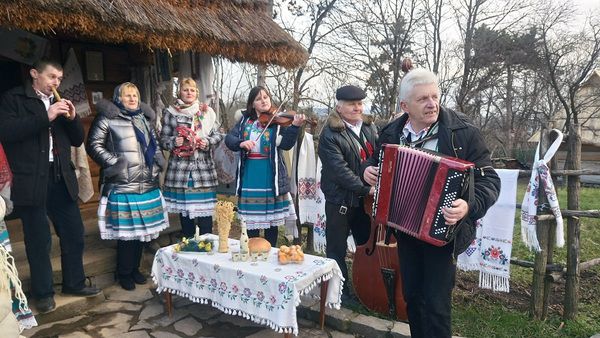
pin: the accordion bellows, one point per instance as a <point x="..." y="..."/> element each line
<point x="413" y="187"/>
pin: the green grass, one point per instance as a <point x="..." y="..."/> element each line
<point x="481" y="313"/>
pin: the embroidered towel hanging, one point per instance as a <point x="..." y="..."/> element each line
<point x="307" y="181"/>
<point x="490" y="251"/>
<point x="529" y="206"/>
<point x="319" y="240"/>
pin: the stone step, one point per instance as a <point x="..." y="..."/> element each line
<point x="91" y="237"/>
<point x="96" y="261"/>
<point x="89" y="215"/>
<point x="67" y="307"/>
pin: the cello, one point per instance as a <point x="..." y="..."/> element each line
<point x="376" y="271"/>
<point x="376" y="267"/>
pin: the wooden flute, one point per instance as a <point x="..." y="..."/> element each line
<point x="57" y="98"/>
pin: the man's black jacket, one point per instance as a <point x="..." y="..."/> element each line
<point x="341" y="174"/>
<point x="24" y="134"/>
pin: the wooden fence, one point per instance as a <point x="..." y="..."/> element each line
<point x="545" y="271"/>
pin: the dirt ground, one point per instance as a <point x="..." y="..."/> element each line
<point x="520" y="293"/>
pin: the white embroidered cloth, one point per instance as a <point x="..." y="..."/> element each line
<point x="73" y="87"/>
<point x="264" y="292"/>
<point x="319" y="227"/>
<point x="530" y="200"/>
<point x="490" y="251"/>
<point x="319" y="239"/>
<point x="307" y="181"/>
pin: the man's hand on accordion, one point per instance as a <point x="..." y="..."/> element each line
<point x="370" y="175"/>
<point x="456" y="212"/>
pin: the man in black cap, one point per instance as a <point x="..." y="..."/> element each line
<point x="346" y="141"/>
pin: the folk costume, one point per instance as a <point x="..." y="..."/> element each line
<point x="262" y="183"/>
<point x="123" y="143"/>
<point x="190" y="187"/>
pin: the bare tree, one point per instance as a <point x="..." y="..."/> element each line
<point x="309" y="25"/>
<point x="375" y="45"/>
<point x="471" y="15"/>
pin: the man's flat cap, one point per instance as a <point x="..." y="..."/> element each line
<point x="350" y="93"/>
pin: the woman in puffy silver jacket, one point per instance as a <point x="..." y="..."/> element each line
<point x="123" y="142"/>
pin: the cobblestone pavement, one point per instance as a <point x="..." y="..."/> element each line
<point x="141" y="313"/>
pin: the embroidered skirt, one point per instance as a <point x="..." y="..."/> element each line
<point x="132" y="216"/>
<point x="191" y="202"/>
<point x="257" y="204"/>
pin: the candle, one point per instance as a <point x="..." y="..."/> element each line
<point x="197" y="234"/>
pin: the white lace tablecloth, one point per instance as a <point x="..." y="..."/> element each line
<point x="264" y="292"/>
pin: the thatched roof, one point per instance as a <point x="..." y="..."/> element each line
<point x="239" y="30"/>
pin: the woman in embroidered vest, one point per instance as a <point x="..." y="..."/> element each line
<point x="190" y="187"/>
<point x="262" y="182"/>
<point x="122" y="140"/>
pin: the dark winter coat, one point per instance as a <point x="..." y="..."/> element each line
<point x="457" y="137"/>
<point x="341" y="174"/>
<point x="24" y="134"/>
<point x="285" y="139"/>
<point x="113" y="145"/>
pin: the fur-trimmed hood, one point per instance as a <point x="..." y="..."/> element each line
<point x="110" y="110"/>
<point x="335" y="122"/>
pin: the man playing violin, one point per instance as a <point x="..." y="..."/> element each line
<point x="346" y="141"/>
<point x="37" y="134"/>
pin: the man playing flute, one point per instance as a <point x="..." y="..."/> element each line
<point x="37" y="134"/>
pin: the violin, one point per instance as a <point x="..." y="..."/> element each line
<point x="273" y="117"/>
<point x="284" y="118"/>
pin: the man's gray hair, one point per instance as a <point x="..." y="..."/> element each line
<point x="339" y="103"/>
<point x="417" y="76"/>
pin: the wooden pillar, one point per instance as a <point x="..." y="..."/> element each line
<point x="548" y="279"/>
<point x="572" y="285"/>
<point x="539" y="270"/>
<point x="261" y="76"/>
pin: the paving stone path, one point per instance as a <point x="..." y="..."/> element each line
<point x="141" y="313"/>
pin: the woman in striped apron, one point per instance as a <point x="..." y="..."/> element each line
<point x="190" y="133"/>
<point x="262" y="182"/>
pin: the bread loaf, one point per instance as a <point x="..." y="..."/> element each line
<point x="258" y="244"/>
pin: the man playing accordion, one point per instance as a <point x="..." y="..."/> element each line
<point x="428" y="271"/>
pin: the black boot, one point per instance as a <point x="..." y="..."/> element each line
<point x="188" y="226"/>
<point x="205" y="224"/>
<point x="126" y="262"/>
<point x="136" y="275"/>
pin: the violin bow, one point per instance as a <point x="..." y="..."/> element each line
<point x="271" y="120"/>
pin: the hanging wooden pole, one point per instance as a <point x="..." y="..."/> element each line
<point x="571" y="300"/>
<point x="538" y="299"/>
<point x="549" y="279"/>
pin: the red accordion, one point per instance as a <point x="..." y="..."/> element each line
<point x="413" y="186"/>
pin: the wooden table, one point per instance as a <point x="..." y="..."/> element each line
<point x="263" y="291"/>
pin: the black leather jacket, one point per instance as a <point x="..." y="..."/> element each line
<point x="457" y="137"/>
<point x="341" y="174"/>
